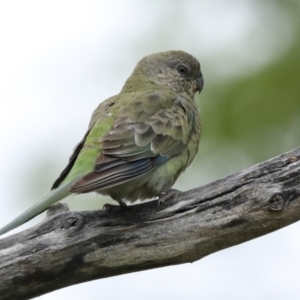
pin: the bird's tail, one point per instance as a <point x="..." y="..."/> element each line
<point x="54" y="196"/>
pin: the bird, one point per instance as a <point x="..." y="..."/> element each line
<point x="139" y="141"/>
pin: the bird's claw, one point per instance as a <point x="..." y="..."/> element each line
<point x="164" y="196"/>
<point x="108" y="206"/>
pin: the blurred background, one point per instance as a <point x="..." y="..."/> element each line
<point x="59" y="59"/>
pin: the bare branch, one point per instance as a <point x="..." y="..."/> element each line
<point x="73" y="247"/>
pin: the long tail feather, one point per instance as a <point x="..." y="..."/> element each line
<point x="54" y="196"/>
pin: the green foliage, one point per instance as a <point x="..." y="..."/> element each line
<point x="259" y="114"/>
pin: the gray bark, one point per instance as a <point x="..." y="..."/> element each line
<point x="72" y="247"/>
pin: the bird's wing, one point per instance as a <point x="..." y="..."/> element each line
<point x="99" y="114"/>
<point x="148" y="130"/>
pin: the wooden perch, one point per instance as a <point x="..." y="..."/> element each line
<point x="73" y="247"/>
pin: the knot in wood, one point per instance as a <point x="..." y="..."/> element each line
<point x="293" y="159"/>
<point x="276" y="203"/>
<point x="70" y="223"/>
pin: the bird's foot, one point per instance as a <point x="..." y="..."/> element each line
<point x="164" y="196"/>
<point x="109" y="206"/>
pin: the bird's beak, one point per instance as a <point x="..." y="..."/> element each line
<point x="200" y="83"/>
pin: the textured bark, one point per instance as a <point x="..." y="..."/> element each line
<point x="73" y="247"/>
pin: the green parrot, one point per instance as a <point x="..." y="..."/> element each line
<point x="139" y="141"/>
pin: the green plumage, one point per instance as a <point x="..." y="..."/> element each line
<point x="139" y="141"/>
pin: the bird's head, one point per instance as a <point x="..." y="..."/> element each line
<point x="177" y="70"/>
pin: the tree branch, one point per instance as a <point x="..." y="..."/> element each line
<point x="73" y="247"/>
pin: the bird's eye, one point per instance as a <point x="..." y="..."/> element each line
<point x="182" y="69"/>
